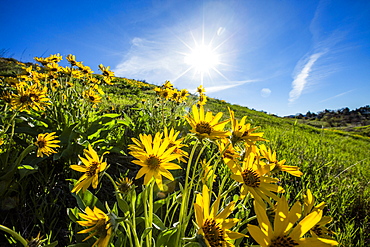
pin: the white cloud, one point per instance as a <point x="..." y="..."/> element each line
<point x="336" y="96"/>
<point x="301" y="78"/>
<point x="265" y="92"/>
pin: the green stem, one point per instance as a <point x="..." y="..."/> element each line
<point x="114" y="184"/>
<point x="137" y="243"/>
<point x="14" y="234"/>
<point x="151" y="184"/>
<point x="184" y="198"/>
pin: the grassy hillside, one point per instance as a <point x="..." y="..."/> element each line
<point x="335" y="164"/>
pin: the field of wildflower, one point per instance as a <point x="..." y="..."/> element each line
<point x="90" y="159"/>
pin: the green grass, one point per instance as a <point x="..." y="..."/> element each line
<point x="335" y="162"/>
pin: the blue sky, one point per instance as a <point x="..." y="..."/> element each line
<point x="280" y="56"/>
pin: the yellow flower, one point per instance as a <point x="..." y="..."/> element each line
<point x="283" y="234"/>
<point x="92" y="96"/>
<point x="45" y="143"/>
<point x="201" y="89"/>
<point x="53" y="67"/>
<point x="166" y="93"/>
<point x="31" y="97"/>
<point x="319" y="230"/>
<point x="155" y="156"/>
<point x="252" y="176"/>
<point x="124" y="185"/>
<point x="278" y="165"/>
<point x="202" y="100"/>
<point x="207" y="126"/>
<point x="84" y="69"/>
<point x="208" y="173"/>
<point x="229" y="154"/>
<point x="100" y="223"/>
<point x="56" y="58"/>
<point x="41" y="60"/>
<point x="215" y="225"/>
<point x="72" y="59"/>
<point x="182" y="95"/>
<point x="92" y="166"/>
<point x="1" y="143"/>
<point x="105" y="71"/>
<point x="242" y="131"/>
<point x="6" y="97"/>
<point x="168" y="85"/>
<point x="171" y="136"/>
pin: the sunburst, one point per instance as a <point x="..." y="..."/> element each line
<point x="203" y="57"/>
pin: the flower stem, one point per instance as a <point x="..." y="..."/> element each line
<point x="14" y="234"/>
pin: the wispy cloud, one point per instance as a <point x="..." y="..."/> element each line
<point x="336" y="96"/>
<point x="300" y="79"/>
<point x="323" y="43"/>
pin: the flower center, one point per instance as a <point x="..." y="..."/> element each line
<point x="92" y="98"/>
<point x="213" y="233"/>
<point x="251" y="178"/>
<point x="41" y="143"/>
<point x="153" y="162"/>
<point x="92" y="169"/>
<point x="25" y="99"/>
<point x="203" y="127"/>
<point x="283" y="241"/>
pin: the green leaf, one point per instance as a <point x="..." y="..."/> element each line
<point x="73" y="213"/>
<point x="111" y="115"/>
<point x="157" y="223"/>
<point x="122" y="204"/>
<point x="146" y="232"/>
<point x="25" y="170"/>
<point x="164" y="237"/>
<point x="87" y="199"/>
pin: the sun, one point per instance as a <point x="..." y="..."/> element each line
<point x="202" y="58"/>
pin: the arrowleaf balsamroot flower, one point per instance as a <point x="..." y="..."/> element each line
<point x="253" y="178"/>
<point x="45" y="144"/>
<point x="101" y="224"/>
<point x="282" y="233"/>
<point x="243" y="132"/>
<point x="278" y="165"/>
<point x="319" y="230"/>
<point x="230" y="155"/>
<point x="171" y="136"/>
<point x="30" y="97"/>
<point x="92" y="97"/>
<point x="155" y="156"/>
<point x="92" y="166"/>
<point x="212" y="225"/>
<point x="207" y="125"/>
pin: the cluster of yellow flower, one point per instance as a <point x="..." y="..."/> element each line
<point x="168" y="92"/>
<point x="202" y="97"/>
<point x="252" y="167"/>
<point x="29" y="90"/>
